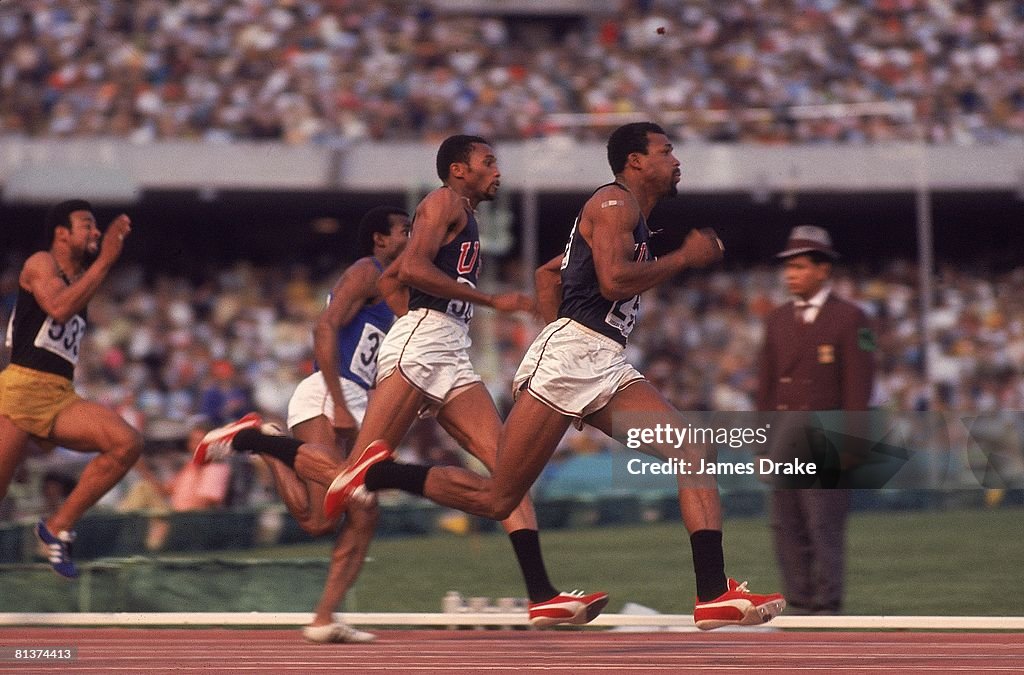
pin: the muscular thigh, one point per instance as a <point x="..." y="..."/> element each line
<point x="639" y="403"/>
<point x="89" y="427"/>
<point x="472" y="420"/>
<point x="530" y="436"/>
<point x="317" y="430"/>
<point x="13" y="449"/>
<point x="641" y="406"/>
<point x="31" y="399"/>
<point x="390" y="412"/>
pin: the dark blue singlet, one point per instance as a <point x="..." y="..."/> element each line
<point x="581" y="296"/>
<point x="460" y="260"/>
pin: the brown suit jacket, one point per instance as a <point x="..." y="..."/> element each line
<point x="825" y="365"/>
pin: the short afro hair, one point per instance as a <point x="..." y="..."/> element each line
<point x="59" y="215"/>
<point x="456" y="149"/>
<point x="375" y="221"/>
<point x="626" y="140"/>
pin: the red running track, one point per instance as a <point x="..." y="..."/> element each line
<point x="216" y="650"/>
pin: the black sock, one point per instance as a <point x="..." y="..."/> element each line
<point x="388" y="474"/>
<point x="708" y="564"/>
<point x="284" y="448"/>
<point x="526" y="544"/>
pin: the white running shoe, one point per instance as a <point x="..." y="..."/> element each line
<point x="337" y="632"/>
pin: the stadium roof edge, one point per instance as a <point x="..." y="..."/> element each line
<point x="556" y="164"/>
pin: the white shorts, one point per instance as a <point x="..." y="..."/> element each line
<point x="430" y="350"/>
<point x="311" y="399"/>
<point x="574" y="370"/>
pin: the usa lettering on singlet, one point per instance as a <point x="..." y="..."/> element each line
<point x="359" y="341"/>
<point x="460" y="260"/>
<point x="39" y="342"/>
<point x="581" y="295"/>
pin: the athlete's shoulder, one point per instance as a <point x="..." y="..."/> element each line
<point x="40" y="258"/>
<point x="441" y="198"/>
<point x="40" y="263"/>
<point x="442" y="206"/>
<point x="610" y="195"/>
<point x="362" y="274"/>
<point x="611" y="203"/>
<point x="367" y="265"/>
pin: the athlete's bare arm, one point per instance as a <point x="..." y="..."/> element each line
<point x="356" y="287"/>
<point x="40" y="275"/>
<point x="548" y="282"/>
<point x="394" y="292"/>
<point x="439" y="217"/>
<point x="607" y="223"/>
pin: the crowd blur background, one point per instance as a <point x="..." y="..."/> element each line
<point x="175" y="349"/>
<point x="319" y="71"/>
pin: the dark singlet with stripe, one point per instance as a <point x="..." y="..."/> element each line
<point x="40" y="343"/>
<point x="359" y="340"/>
<point x="581" y="296"/>
<point x="460" y="260"/>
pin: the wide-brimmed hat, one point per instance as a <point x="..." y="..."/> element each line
<point x="808" y="239"/>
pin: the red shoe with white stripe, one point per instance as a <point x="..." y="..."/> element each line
<point x="738" y="607"/>
<point x="349" y="483"/>
<point x="216" y="444"/>
<point x="575" y="608"/>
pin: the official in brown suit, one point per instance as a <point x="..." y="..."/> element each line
<point x="817" y="356"/>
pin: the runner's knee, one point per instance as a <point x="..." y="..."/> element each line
<point x="317" y="527"/>
<point x="502" y="505"/>
<point x="126" y="447"/>
<point x="363" y="517"/>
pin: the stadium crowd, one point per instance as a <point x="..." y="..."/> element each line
<point x="169" y="351"/>
<point x="337" y="71"/>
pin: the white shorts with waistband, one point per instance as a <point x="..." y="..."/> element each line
<point x="311" y="399"/>
<point x="574" y="370"/>
<point x="430" y="351"/>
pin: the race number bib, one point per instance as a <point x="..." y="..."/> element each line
<point x="62" y="339"/>
<point x="364" y="359"/>
<point x="461" y="309"/>
<point x="622" y="315"/>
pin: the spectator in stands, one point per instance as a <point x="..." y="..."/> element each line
<point x="318" y="71"/>
<point x="224" y="398"/>
<point x="195" y="486"/>
<point x="162" y="486"/>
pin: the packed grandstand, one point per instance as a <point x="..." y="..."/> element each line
<point x="328" y="71"/>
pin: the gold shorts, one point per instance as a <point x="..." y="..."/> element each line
<point x="32" y="399"/>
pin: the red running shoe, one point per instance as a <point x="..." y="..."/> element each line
<point x="738" y="607"/>
<point x="216" y="444"/>
<point x="352" y="479"/>
<point x="575" y="608"/>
